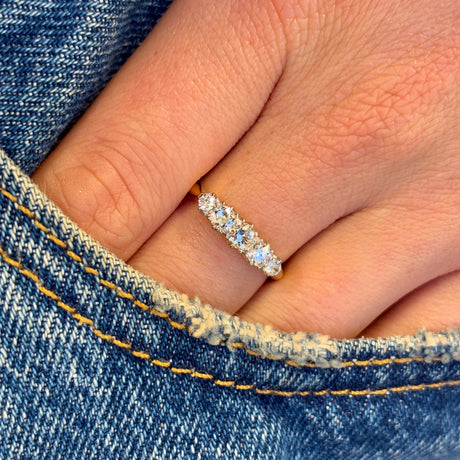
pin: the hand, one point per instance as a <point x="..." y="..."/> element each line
<point x="332" y="126"/>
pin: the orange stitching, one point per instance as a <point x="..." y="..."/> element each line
<point x="110" y="285"/>
<point x="205" y="376"/>
<point x="159" y="363"/>
<point x="245" y="387"/>
<point x="369" y="362"/>
<point x="120" y="292"/>
<point x="178" y="370"/>
<point x="126" y="295"/>
<point x="140" y="354"/>
<point x="202" y="375"/>
<point x="92" y="271"/>
<point x="225" y="383"/>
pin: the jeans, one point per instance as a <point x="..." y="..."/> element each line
<point x="98" y="361"/>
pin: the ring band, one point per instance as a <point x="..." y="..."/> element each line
<point x="239" y="233"/>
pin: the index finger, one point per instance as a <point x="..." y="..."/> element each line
<point x="170" y="114"/>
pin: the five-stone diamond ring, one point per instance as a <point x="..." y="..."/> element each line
<point x="239" y="233"/>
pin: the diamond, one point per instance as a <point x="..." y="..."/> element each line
<point x="243" y="238"/>
<point x="229" y="225"/>
<point x="223" y="215"/>
<point x="207" y="202"/>
<point x="273" y="266"/>
<point x="259" y="255"/>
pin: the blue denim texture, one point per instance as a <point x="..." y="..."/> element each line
<point x="98" y="361"/>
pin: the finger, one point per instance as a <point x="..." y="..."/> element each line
<point x="173" y="111"/>
<point x="349" y="274"/>
<point x="434" y="306"/>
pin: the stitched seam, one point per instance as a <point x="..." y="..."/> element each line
<point x="203" y="375"/>
<point x="126" y="295"/>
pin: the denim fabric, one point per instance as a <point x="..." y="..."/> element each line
<point x="98" y="361"/>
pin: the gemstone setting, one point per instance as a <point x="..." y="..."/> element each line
<point x="239" y="233"/>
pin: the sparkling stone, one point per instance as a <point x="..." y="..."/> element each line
<point x="212" y="218"/>
<point x="207" y="202"/>
<point x="243" y="237"/>
<point x="223" y="215"/>
<point x="229" y="225"/>
<point x="263" y="257"/>
<point x="259" y="255"/>
<point x="273" y="267"/>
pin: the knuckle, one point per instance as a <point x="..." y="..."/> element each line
<point x="401" y="106"/>
<point x="113" y="190"/>
<point x="140" y="164"/>
<point x="97" y="202"/>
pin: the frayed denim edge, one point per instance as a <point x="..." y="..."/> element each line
<point x="217" y="327"/>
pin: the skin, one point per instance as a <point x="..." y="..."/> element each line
<point x="332" y="126"/>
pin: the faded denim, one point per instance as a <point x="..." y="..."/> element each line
<point x="98" y="361"/>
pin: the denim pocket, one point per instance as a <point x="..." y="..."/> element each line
<point x="99" y="361"/>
